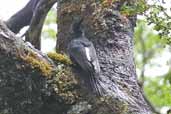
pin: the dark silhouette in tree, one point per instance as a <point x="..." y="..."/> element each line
<point x="33" y="14"/>
<point x="23" y="17"/>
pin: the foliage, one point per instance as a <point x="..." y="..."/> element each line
<point x="49" y="29"/>
<point x="168" y="77"/>
<point x="133" y="7"/>
<point x="49" y="32"/>
<point x="158" y="91"/>
<point x="148" y="46"/>
<point x="51" y="16"/>
<point x="158" y="15"/>
<point x="128" y="7"/>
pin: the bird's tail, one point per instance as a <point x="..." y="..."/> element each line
<point x="95" y="84"/>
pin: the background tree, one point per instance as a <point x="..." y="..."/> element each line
<point x="152" y="53"/>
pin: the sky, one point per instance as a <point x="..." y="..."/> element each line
<point x="9" y="7"/>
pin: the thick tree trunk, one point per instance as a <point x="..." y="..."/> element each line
<point x="112" y="35"/>
<point x="31" y="83"/>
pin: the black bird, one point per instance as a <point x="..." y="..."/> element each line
<point x="82" y="52"/>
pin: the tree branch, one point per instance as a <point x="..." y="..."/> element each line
<point x="34" y="32"/>
<point x="23" y="17"/>
<point x="34" y="14"/>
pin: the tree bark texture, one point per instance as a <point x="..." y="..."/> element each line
<point x="31" y="83"/>
<point x="112" y="36"/>
<point x="22" y="88"/>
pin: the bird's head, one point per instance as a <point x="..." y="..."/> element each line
<point x="77" y="27"/>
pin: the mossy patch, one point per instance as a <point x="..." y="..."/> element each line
<point x="66" y="86"/>
<point x="36" y="63"/>
<point x="108" y="3"/>
<point x="134" y="7"/>
<point x="59" y="58"/>
<point x="128" y="7"/>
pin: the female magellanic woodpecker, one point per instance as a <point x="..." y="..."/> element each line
<point x="82" y="51"/>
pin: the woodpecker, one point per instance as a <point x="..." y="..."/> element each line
<point x="81" y="51"/>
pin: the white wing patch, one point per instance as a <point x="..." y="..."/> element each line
<point x="87" y="50"/>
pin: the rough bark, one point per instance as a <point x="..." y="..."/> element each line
<point x="31" y="83"/>
<point x="112" y="35"/>
<point x="21" y="87"/>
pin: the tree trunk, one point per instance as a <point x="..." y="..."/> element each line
<point x="33" y="83"/>
<point x="112" y="36"/>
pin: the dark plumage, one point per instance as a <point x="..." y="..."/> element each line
<point x="82" y="51"/>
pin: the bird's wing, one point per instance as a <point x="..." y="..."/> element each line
<point x="79" y="54"/>
<point x="94" y="58"/>
<point x="84" y="54"/>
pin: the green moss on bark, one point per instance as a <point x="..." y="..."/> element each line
<point x="38" y="64"/>
<point x="59" y="58"/>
